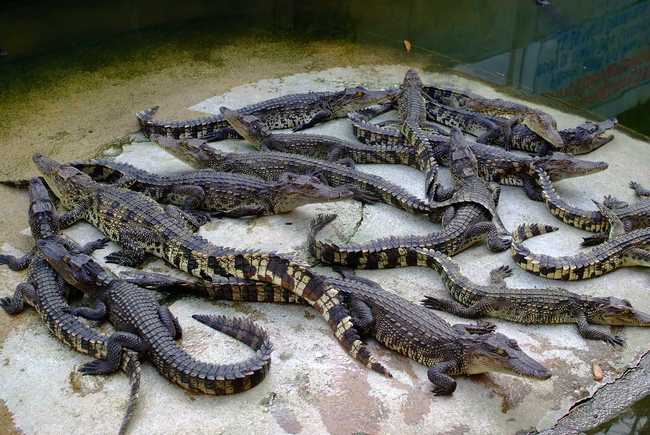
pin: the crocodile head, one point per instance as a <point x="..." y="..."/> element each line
<point x="42" y="213"/>
<point x="78" y="270"/>
<point x="589" y="136"/>
<point x="293" y="190"/>
<point x="67" y="182"/>
<point x="559" y="166"/>
<point x="412" y="79"/>
<point x="616" y="312"/>
<point x="545" y="126"/>
<point x="497" y="353"/>
<point x="357" y="98"/>
<point x="250" y="127"/>
<point x="462" y="161"/>
<point x="195" y="152"/>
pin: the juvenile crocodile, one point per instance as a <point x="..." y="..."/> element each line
<point x="144" y="326"/>
<point x="411" y="107"/>
<point x="541" y="123"/>
<point x="494" y="164"/>
<point x="621" y="250"/>
<point x="271" y="165"/>
<point x="497" y="131"/>
<point x="298" y="111"/>
<point x="220" y="193"/>
<point x="582" y="139"/>
<point x="46" y="292"/>
<point x="316" y="146"/>
<point x="634" y="216"/>
<point x="469" y="217"/>
<point x="398" y="324"/>
<point x="115" y="211"/>
<point x="551" y="305"/>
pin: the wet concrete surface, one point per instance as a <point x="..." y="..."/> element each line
<point x="314" y="387"/>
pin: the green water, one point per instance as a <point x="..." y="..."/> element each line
<point x="590" y="55"/>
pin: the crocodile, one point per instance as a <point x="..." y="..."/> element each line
<point x="537" y="121"/>
<point x="582" y="139"/>
<point x="165" y="234"/>
<point x="219" y="193"/>
<point x="497" y="131"/>
<point x="621" y="250"/>
<point x="468" y="217"/>
<point x="398" y="324"/>
<point x="271" y="165"/>
<point x="494" y="164"/>
<point x="551" y="305"/>
<point x="297" y="111"/>
<point x="45" y="291"/>
<point x="634" y="216"/>
<point x="411" y="107"/>
<point x="144" y="326"/>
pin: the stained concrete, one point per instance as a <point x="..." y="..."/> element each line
<point x="314" y="387"/>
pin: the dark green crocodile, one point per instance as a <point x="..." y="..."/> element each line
<point x="498" y="131"/>
<point x="411" y="107"/>
<point x="398" y="324"/>
<point x="144" y="326"/>
<point x="115" y="211"/>
<point x="298" y="111"/>
<point x="220" y="193"/>
<point x="634" y="216"/>
<point x="621" y="250"/>
<point x="46" y="292"/>
<point x="582" y="139"/>
<point x="270" y="166"/>
<point x="551" y="305"/>
<point x="494" y="164"/>
<point x="468" y="217"/>
<point x="539" y="122"/>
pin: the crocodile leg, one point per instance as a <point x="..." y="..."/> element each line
<point x="193" y="196"/>
<point x="73" y="215"/>
<point x="443" y="384"/>
<point x="639" y="190"/>
<point x="447" y="216"/>
<point x="132" y="253"/>
<point x="321" y="116"/>
<point x="472" y="312"/>
<point x="499" y="274"/>
<point x="362" y="317"/>
<point x="98" y="313"/>
<point x="17" y="263"/>
<point x="171" y="322"/>
<point x="93" y="246"/>
<point x="480" y="328"/>
<point x="16" y="304"/>
<point x="241" y="211"/>
<point x="194" y="222"/>
<point x="495" y="242"/>
<point x="614" y="203"/>
<point x="589" y="332"/>
<point x="532" y="189"/>
<point x="115" y="344"/>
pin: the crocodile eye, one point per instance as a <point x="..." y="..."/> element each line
<point x="501" y="352"/>
<point x="359" y="94"/>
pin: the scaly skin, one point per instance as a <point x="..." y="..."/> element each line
<point x="316" y="146"/>
<point x="494" y="164"/>
<point x="402" y="326"/>
<point x="45" y="291"/>
<point x="551" y="305"/>
<point x="144" y="326"/>
<point x="271" y="165"/>
<point x="298" y="111"/>
<point x="627" y="249"/>
<point x="411" y="107"/>
<point x="221" y="193"/>
<point x="114" y="211"/>
<point x="468" y="218"/>
<point x="539" y="122"/>
<point x="634" y="216"/>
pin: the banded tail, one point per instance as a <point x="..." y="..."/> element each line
<point x="131" y="366"/>
<point x="592" y="221"/>
<point x="526" y="231"/>
<point x="16" y="184"/>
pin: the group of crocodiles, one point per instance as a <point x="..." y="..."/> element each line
<point x="484" y="142"/>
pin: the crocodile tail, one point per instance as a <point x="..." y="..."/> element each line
<point x="526" y="231"/>
<point x="131" y="365"/>
<point x="321" y="250"/>
<point x="145" y="119"/>
<point x="583" y="219"/>
<point x="16" y="184"/>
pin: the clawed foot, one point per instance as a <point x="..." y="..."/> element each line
<point x="439" y="390"/>
<point x="8" y="304"/>
<point x="499" y="243"/>
<point x="615" y="340"/>
<point x="97" y="367"/>
<point x="121" y="259"/>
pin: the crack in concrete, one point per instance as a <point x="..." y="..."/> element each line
<point x="358" y="224"/>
